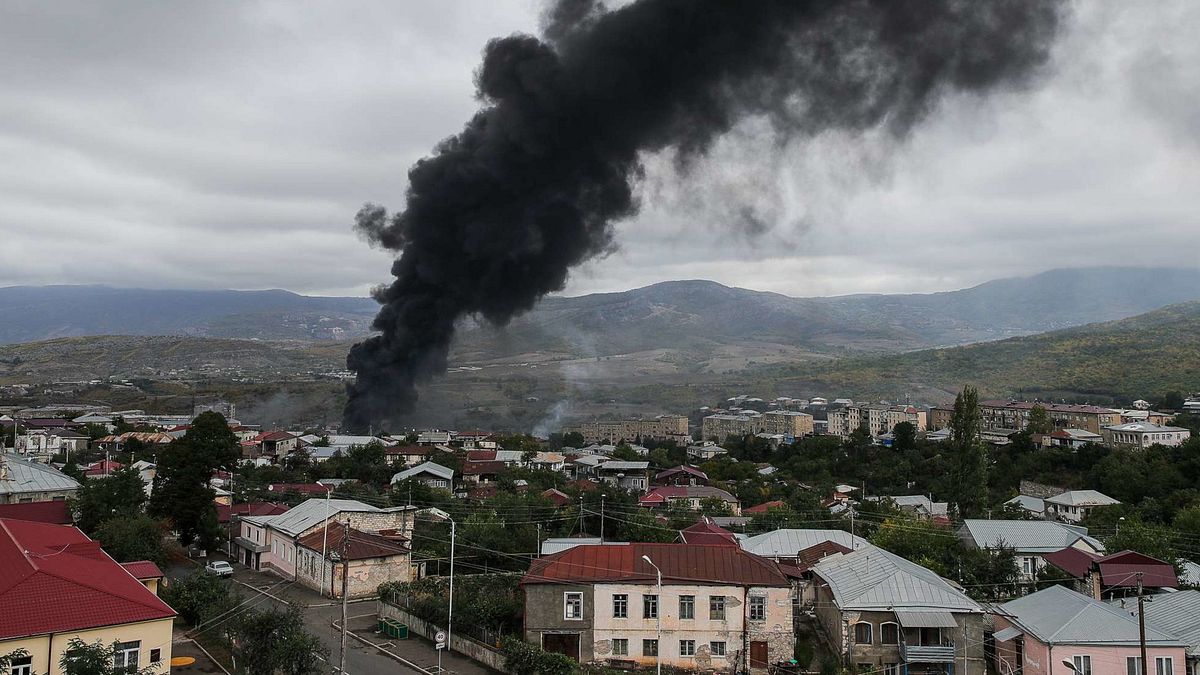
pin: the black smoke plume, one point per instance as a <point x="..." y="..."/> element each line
<point x="497" y="215"/>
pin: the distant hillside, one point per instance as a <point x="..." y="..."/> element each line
<point x="45" y="312"/>
<point x="1142" y="356"/>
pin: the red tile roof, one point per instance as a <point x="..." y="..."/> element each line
<point x="680" y="563"/>
<point x="224" y="511"/>
<point x="62" y="581"/>
<point x="143" y="569"/>
<point x="275" y="436"/>
<point x="557" y="497"/>
<point x="55" y="513"/>
<point x="764" y="507"/>
<point x="361" y="545"/>
<point x="706" y="533"/>
<point x="103" y="467"/>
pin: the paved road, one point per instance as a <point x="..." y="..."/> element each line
<point x="319" y="615"/>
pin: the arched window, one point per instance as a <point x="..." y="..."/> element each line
<point x="889" y="634"/>
<point x="862" y="633"/>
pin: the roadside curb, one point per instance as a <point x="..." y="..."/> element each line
<point x="379" y="648"/>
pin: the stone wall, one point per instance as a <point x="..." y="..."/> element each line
<point x="472" y="649"/>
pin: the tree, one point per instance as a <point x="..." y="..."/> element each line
<point x="83" y="658"/>
<point x="968" y="468"/>
<point x="182" y="493"/>
<point x="274" y="641"/>
<point x="1039" y="420"/>
<point x="904" y="436"/>
<point x="119" y="495"/>
<point x="136" y="538"/>
<point x="199" y="597"/>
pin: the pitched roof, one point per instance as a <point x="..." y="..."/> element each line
<point x="143" y="569"/>
<point x="557" y="497"/>
<point x="482" y="468"/>
<point x="706" y="532"/>
<point x="301" y="488"/>
<point x="684" y="563"/>
<point x="1029" y="503"/>
<point x="1058" y="615"/>
<point x="681" y="469"/>
<point x="1082" y="498"/>
<point x="1073" y="561"/>
<point x="813" y="554"/>
<point x="27" y="476"/>
<point x="268" y="436"/>
<point x="225" y="511"/>
<point x="1176" y="614"/>
<point x="871" y="578"/>
<point x="359" y="546"/>
<point x="54" y="512"/>
<point x="622" y="465"/>
<point x="787" y="543"/>
<point x="666" y="492"/>
<point x="308" y="514"/>
<point x="63" y="581"/>
<point x="1121" y="570"/>
<point x="764" y="507"/>
<point x="425" y="467"/>
<point x="1030" y="536"/>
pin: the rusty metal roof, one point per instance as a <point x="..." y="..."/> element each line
<point x="680" y="563"/>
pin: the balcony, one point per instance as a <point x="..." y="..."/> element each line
<point x="927" y="653"/>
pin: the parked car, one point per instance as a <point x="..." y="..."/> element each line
<point x="219" y="568"/>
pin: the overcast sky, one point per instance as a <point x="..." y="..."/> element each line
<point x="229" y="144"/>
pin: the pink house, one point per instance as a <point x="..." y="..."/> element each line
<point x="1057" y="631"/>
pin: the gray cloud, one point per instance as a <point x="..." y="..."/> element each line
<point x="212" y="145"/>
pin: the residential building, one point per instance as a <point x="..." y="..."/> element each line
<point x="1143" y="415"/>
<point x="718" y="608"/>
<point x="615" y="432"/>
<point x="1035" y="506"/>
<point x="939" y="417"/>
<point x="52" y="512"/>
<point x="1030" y="540"/>
<point x="707" y="533"/>
<point x="877" y="418"/>
<point x="718" y="427"/>
<point x="1036" y="634"/>
<point x="1115" y="575"/>
<point x="704" y="451"/>
<point x="787" y="423"/>
<point x="480" y="472"/>
<point x="1067" y="438"/>
<point x="1141" y="435"/>
<point x="785" y="545"/>
<point x="693" y="496"/>
<point x="1073" y="506"/>
<point x="229" y="518"/>
<point x="919" y="506"/>
<point x="764" y="508"/>
<point x="430" y="473"/>
<point x="882" y="613"/>
<point x="50" y="442"/>
<point x="58" y="585"/>
<point x="277" y="444"/>
<point x="433" y="438"/>
<point x="1014" y="415"/>
<point x="626" y="475"/>
<point x="408" y="455"/>
<point x="1176" y="614"/>
<point x="22" y="480"/>
<point x="366" y="558"/>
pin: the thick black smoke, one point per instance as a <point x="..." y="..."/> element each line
<point x="497" y="215"/>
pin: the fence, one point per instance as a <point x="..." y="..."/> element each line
<point x="463" y="644"/>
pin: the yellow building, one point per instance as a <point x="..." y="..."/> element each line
<point x="58" y="585"/>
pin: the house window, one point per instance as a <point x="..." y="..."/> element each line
<point x="716" y="608"/>
<point x="155" y="655"/>
<point x="1028" y="565"/>
<point x="717" y="648"/>
<point x="649" y="606"/>
<point x="1083" y="664"/>
<point x="125" y="654"/>
<point x="620" y="606"/>
<point x="687" y="606"/>
<point x="862" y="633"/>
<point x="573" y="606"/>
<point x="22" y="665"/>
<point x="1133" y="665"/>
<point x="891" y="668"/>
<point x="889" y="634"/>
<point x="1164" y="665"/>
<point x="758" y="608"/>
<point x="649" y="647"/>
<point x="687" y="647"/>
<point x="620" y="647"/>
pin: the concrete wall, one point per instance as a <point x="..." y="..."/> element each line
<point x="365" y="575"/>
<point x="544" y="614"/>
<point x="47" y="650"/>
<point x="472" y="649"/>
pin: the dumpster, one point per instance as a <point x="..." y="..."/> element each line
<point x="401" y="631"/>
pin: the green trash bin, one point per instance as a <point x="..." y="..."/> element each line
<point x="401" y="631"/>
<point x="393" y="628"/>
<point x="381" y="627"/>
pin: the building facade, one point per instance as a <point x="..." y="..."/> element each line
<point x="1141" y="435"/>
<point x="615" y="432"/>
<point x="1014" y="415"/>
<point x="877" y="418"/>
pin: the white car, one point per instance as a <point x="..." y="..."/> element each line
<point x="219" y="568"/>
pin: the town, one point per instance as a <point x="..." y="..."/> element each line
<point x="780" y="535"/>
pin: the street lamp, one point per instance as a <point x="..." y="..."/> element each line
<point x="657" y="617"/>
<point x="1071" y="665"/>
<point x="1119" y="521"/>
<point x="438" y="513"/>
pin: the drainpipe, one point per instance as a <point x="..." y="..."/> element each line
<point x="745" y="629"/>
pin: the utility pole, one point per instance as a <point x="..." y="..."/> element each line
<point x="581" y="515"/>
<point x="537" y="552"/>
<point x="601" y="519"/>
<point x="345" y="593"/>
<point x="1141" y="623"/>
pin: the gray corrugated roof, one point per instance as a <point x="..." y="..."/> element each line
<point x="1176" y="614"/>
<point x="1058" y="615"/>
<point x="308" y="514"/>
<point x="1082" y="498"/>
<point x="25" y="476"/>
<point x="787" y="543"/>
<point x="1029" y="503"/>
<point x="428" y="467"/>
<point x="618" y="465"/>
<point x="1027" y="536"/>
<point x="873" y="579"/>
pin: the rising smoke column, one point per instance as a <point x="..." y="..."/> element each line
<point x="497" y="215"/>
